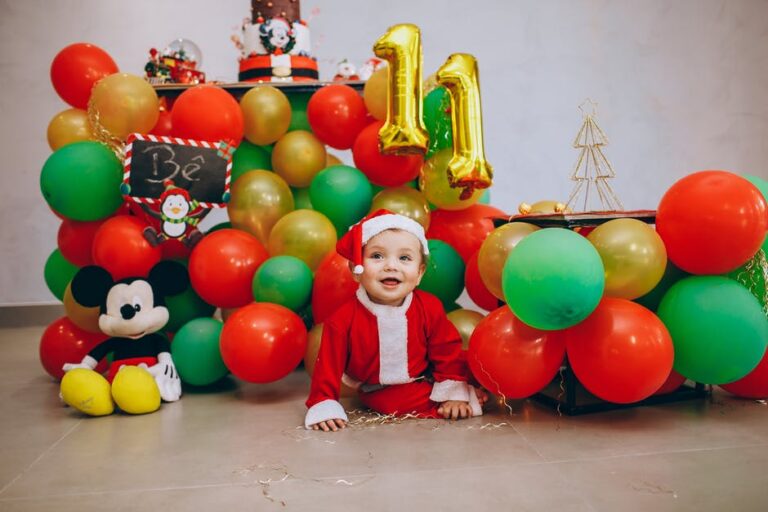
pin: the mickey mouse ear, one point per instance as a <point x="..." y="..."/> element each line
<point x="169" y="277"/>
<point x="90" y="286"/>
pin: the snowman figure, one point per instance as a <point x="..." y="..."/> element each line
<point x="179" y="216"/>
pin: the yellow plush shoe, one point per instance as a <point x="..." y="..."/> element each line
<point x="135" y="391"/>
<point x="87" y="391"/>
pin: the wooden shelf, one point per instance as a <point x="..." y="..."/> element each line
<point x="237" y="89"/>
<point x="575" y="220"/>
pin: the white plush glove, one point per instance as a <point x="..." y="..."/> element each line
<point x="87" y="363"/>
<point x="166" y="377"/>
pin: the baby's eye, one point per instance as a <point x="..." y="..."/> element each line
<point x="405" y="257"/>
<point x="377" y="255"/>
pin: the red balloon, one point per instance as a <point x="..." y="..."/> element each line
<point x="75" y="240"/>
<point x="120" y="247"/>
<point x="712" y="222"/>
<point x="222" y="265"/>
<point x="164" y="125"/>
<point x="754" y="384"/>
<point x="622" y="352"/>
<point x="513" y="359"/>
<point x="383" y="170"/>
<point x="673" y="382"/>
<point x="476" y="289"/>
<point x="209" y="113"/>
<point x="64" y="342"/>
<point x="464" y="230"/>
<point x="76" y="69"/>
<point x="332" y="287"/>
<point x="174" y="250"/>
<point x="337" y="114"/>
<point x="263" y="342"/>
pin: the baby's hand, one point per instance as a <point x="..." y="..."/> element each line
<point x="455" y="409"/>
<point x="329" y="425"/>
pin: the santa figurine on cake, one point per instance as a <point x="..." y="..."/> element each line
<point x="275" y="44"/>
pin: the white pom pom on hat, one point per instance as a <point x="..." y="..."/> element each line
<point x="351" y="244"/>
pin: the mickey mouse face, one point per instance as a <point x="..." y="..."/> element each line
<point x="130" y="311"/>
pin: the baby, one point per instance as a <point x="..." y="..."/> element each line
<point x="392" y="343"/>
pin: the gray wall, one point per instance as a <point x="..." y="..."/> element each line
<point x="681" y="85"/>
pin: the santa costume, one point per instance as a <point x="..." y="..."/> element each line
<point x="401" y="359"/>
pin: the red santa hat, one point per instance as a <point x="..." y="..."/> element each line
<point x="172" y="190"/>
<point x="351" y="244"/>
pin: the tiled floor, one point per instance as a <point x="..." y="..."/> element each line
<point x="241" y="448"/>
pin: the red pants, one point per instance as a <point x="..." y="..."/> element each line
<point x="403" y="399"/>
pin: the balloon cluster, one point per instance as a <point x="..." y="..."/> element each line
<point x="272" y="269"/>
<point x="623" y="314"/>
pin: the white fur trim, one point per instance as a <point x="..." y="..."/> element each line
<point x="393" y="338"/>
<point x="322" y="411"/>
<point x="376" y="225"/>
<point x="450" y="390"/>
<point x="474" y="403"/>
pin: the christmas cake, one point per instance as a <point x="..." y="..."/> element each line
<point x="275" y="44"/>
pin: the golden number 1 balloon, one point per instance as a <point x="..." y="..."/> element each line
<point x="468" y="169"/>
<point x="404" y="131"/>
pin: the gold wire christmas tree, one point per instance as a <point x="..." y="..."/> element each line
<point x="592" y="191"/>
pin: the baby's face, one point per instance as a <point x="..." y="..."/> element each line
<point x="392" y="267"/>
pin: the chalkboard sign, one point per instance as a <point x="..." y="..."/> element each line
<point x="201" y="168"/>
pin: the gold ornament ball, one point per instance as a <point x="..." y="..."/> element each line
<point x="305" y="234"/>
<point x="124" y="104"/>
<point x="434" y="184"/>
<point x="495" y="250"/>
<point x="465" y="321"/>
<point x="69" y="126"/>
<point x="297" y="157"/>
<point x="266" y="114"/>
<point x="404" y="201"/>
<point x="259" y="199"/>
<point x="83" y="317"/>
<point x="375" y="93"/>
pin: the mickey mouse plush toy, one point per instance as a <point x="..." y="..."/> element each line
<point x="132" y="312"/>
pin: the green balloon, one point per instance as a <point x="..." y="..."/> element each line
<point x="284" y="280"/>
<point x="248" y="157"/>
<point x="58" y="273"/>
<point x="652" y="299"/>
<point x="553" y="279"/>
<point x="196" y="354"/>
<point x="341" y="193"/>
<point x="437" y="105"/>
<point x="220" y="225"/>
<point x="444" y="275"/>
<point x="301" y="199"/>
<point x="718" y="328"/>
<point x="760" y="183"/>
<point x="298" y="101"/>
<point x="81" y="181"/>
<point x="185" y="307"/>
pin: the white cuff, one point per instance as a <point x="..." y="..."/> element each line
<point x="164" y="357"/>
<point x="89" y="362"/>
<point x="450" y="390"/>
<point x="474" y="403"/>
<point x="322" y="411"/>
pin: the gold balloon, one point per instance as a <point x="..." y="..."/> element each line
<point x="314" y="336"/>
<point x="403" y="131"/>
<point x="69" y="126"/>
<point x="297" y="157"/>
<point x="375" y="94"/>
<point x="405" y="201"/>
<point x="495" y="250"/>
<point x="633" y="255"/>
<point x="83" y="317"/>
<point x="259" y="199"/>
<point x="433" y="182"/>
<point x="468" y="169"/>
<point x="331" y="159"/>
<point x="124" y="104"/>
<point x="305" y="234"/>
<point x="267" y="114"/>
<point x="465" y="321"/>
